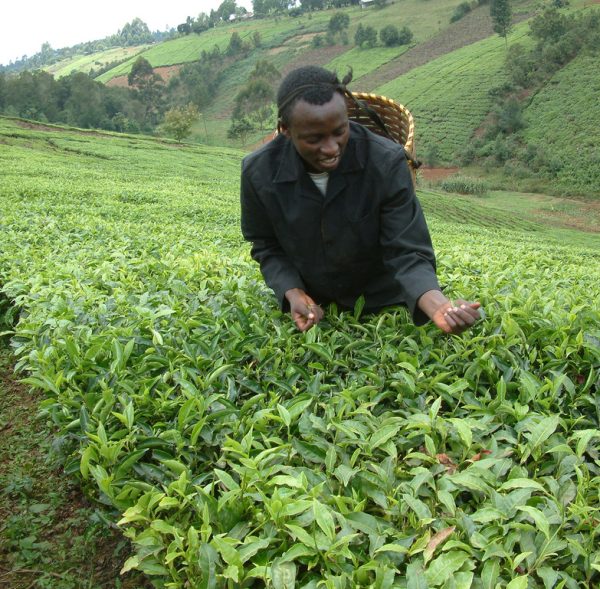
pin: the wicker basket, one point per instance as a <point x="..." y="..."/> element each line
<point x="396" y="117"/>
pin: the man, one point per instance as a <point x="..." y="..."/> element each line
<point x="331" y="212"/>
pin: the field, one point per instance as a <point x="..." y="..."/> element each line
<point x="85" y="63"/>
<point x="560" y="119"/>
<point x="449" y="96"/>
<point x="285" y="32"/>
<point x="241" y="453"/>
<point x="365" y="60"/>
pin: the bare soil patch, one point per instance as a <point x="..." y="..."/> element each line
<point x="436" y="174"/>
<point x="318" y="56"/>
<point x="276" y="50"/>
<point x="165" y="72"/>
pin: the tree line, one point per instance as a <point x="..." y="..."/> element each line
<point x="148" y="103"/>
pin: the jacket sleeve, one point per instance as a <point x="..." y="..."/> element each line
<point x="404" y="238"/>
<point x="277" y="270"/>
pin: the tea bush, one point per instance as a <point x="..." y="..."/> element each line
<point x="464" y="185"/>
<point x="366" y="452"/>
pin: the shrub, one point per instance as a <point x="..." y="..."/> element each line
<point x="461" y="10"/>
<point x="389" y="36"/>
<point x="464" y="185"/>
<point x="365" y="36"/>
<point x="405" y="35"/>
<point x="318" y="41"/>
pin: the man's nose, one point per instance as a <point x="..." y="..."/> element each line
<point x="329" y="146"/>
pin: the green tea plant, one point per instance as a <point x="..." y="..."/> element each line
<point x="449" y="96"/>
<point x="464" y="185"/>
<point x="366" y="452"/>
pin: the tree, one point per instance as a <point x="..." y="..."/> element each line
<point x="338" y="23"/>
<point x="140" y="70"/>
<point x="255" y="102"/>
<point x="265" y="70"/>
<point x="240" y="129"/>
<point x="501" y="14"/>
<point x="365" y="36"/>
<point x="226" y="9"/>
<point x="549" y="26"/>
<point x="236" y="45"/>
<point x="389" y="36"/>
<point x="149" y="87"/>
<point x="179" y="120"/>
<point x="405" y="35"/>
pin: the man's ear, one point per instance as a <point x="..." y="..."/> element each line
<point x="283" y="128"/>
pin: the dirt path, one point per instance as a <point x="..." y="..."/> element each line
<point x="50" y="535"/>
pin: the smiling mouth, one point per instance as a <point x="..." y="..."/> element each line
<point x="330" y="161"/>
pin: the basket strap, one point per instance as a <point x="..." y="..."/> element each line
<point x="372" y="113"/>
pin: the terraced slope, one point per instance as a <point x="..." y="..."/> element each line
<point x="564" y="120"/>
<point x="449" y="96"/>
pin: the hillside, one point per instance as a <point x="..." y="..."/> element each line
<point x="452" y="76"/>
<point x="231" y="447"/>
<point x="564" y="118"/>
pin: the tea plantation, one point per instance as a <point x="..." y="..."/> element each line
<point x="235" y="451"/>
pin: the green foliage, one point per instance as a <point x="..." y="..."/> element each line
<point x="460" y="11"/>
<point x="240" y="128"/>
<point x="364" y="60"/>
<point x="339" y="21"/>
<point x="178" y="121"/>
<point x="140" y="71"/>
<point x="254" y="102"/>
<point x="449" y="96"/>
<point x="465" y="185"/>
<point x="365" y="452"/>
<point x="50" y="536"/>
<point x="389" y="36"/>
<point x="501" y="13"/>
<point x="365" y="36"/>
<point x="198" y="82"/>
<point x="236" y="45"/>
<point x="507" y="118"/>
<point x="135" y="32"/>
<point x="559" y="118"/>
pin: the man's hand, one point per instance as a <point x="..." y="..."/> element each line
<point x="450" y="317"/>
<point x="305" y="312"/>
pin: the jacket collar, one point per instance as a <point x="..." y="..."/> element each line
<point x="291" y="167"/>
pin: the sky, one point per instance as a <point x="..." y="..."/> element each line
<point x="25" y="25"/>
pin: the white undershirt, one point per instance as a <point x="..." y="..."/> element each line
<point x="320" y="181"/>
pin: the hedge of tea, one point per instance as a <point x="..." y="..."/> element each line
<point x="238" y="452"/>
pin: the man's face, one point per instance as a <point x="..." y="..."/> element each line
<point x="319" y="132"/>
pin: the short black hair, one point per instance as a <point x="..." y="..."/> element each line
<point x="311" y="83"/>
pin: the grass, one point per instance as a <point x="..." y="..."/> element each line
<point x="364" y="60"/>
